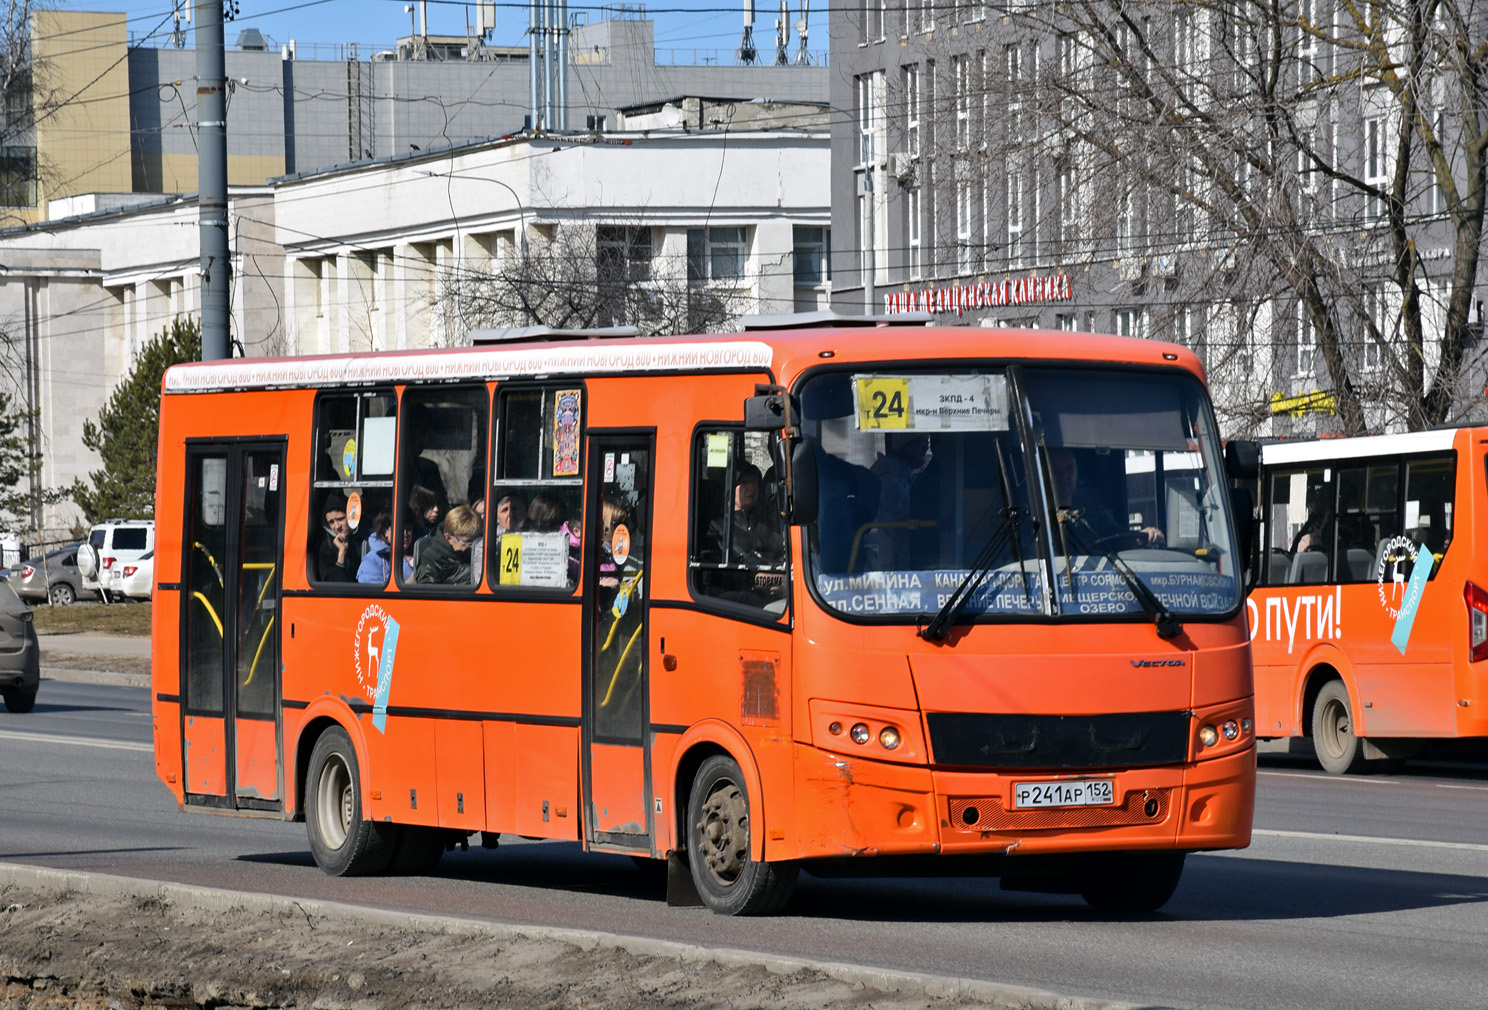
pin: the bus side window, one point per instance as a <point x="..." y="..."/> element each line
<point x="738" y="538"/>
<point x="355" y="436"/>
<point x="1428" y="502"/>
<point x="443" y="446"/>
<point x="537" y="491"/>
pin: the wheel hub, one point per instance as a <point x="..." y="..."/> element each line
<point x="724" y="833"/>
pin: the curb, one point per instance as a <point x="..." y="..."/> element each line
<point x="212" y="899"/>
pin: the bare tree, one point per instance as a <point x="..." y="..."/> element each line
<point x="1296" y="186"/>
<point x="582" y="275"/>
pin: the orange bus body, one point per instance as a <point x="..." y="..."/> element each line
<point x="485" y="716"/>
<point x="1405" y="666"/>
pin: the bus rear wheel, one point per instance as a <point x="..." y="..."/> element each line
<point x="728" y="878"/>
<point x="342" y="842"/>
<point x="1132" y="883"/>
<point x="1338" y="749"/>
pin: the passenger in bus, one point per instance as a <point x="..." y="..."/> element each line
<point x="333" y="562"/>
<point x="423" y="505"/>
<point x="1095" y="513"/>
<point x="751" y="533"/>
<point x="547" y="515"/>
<point x="511" y="512"/>
<point x="445" y="558"/>
<point x="377" y="563"/>
<point x="888" y="543"/>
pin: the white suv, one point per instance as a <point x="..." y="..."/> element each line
<point x="110" y="545"/>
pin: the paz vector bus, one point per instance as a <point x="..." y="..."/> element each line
<point x="836" y="599"/>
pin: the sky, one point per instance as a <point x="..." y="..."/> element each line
<point x="690" y="28"/>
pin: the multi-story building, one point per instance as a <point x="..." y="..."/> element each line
<point x="104" y="113"/>
<point x="1250" y="181"/>
<point x="697" y="211"/>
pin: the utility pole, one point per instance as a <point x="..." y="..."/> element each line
<point x="211" y="179"/>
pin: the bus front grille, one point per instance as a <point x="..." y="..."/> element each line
<point x="1108" y="740"/>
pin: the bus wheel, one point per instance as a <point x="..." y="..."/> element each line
<point x="728" y="879"/>
<point x="342" y="843"/>
<point x="417" y="849"/>
<point x="19" y="700"/>
<point x="1132" y="883"/>
<point x="1338" y="750"/>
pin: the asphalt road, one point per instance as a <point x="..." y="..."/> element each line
<point x="1357" y="892"/>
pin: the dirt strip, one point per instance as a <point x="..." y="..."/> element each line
<point x="97" y="942"/>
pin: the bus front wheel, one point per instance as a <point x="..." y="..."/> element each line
<point x="1132" y="883"/>
<point x="342" y="842"/>
<point x="729" y="880"/>
<point x="1338" y="749"/>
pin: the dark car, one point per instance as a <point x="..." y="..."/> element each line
<point x="20" y="653"/>
<point x="57" y="580"/>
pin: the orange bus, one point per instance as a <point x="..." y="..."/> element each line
<point x="844" y="599"/>
<point x="1370" y="622"/>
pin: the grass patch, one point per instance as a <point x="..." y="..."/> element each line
<point x="130" y="619"/>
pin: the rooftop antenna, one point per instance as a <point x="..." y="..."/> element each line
<point x="183" y="17"/>
<point x="803" y="57"/>
<point x="748" y="55"/>
<point x="782" y="32"/>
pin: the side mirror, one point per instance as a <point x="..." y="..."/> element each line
<point x="768" y="411"/>
<point x="1242" y="460"/>
<point x="1242" y="503"/>
<point x="801" y="467"/>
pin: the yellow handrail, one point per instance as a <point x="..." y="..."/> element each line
<point x="259" y="652"/>
<point x="614" y="677"/>
<point x="211" y="612"/>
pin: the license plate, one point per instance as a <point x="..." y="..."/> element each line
<point x="1067" y="793"/>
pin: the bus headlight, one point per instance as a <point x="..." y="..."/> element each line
<point x="859" y="732"/>
<point x="1230" y="729"/>
<point x="1208" y="736"/>
<point x="889" y="737"/>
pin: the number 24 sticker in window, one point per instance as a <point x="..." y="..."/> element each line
<point x="883" y="402"/>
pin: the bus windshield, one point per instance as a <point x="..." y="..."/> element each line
<point x="1019" y="491"/>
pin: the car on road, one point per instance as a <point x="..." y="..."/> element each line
<point x="20" y="653"/>
<point x="109" y="547"/>
<point x="136" y="579"/>
<point x="54" y="578"/>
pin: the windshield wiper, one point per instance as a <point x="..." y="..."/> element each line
<point x="1167" y="623"/>
<point x="1010" y="517"/>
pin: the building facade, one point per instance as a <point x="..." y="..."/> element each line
<point x="1258" y="184"/>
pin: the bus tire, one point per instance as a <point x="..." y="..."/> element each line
<point x="1132" y="883"/>
<point x="19" y="700"/>
<point x="416" y="850"/>
<point x="343" y="843"/>
<point x="729" y="880"/>
<point x="1338" y="750"/>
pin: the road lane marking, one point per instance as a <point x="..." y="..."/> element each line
<point x="1343" y="780"/>
<point x="77" y="741"/>
<point x="1412" y="842"/>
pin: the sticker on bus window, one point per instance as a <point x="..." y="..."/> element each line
<point x="718" y="450"/>
<point x="609" y="468"/>
<point x="348" y="458"/>
<point x="931" y="402"/>
<point x="379" y="437"/>
<point x="538" y="560"/>
<point x="273" y="476"/>
<point x="566" y="432"/>
<point x="354" y="509"/>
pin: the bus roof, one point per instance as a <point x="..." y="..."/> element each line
<point x="785" y="352"/>
<point x="1303" y="451"/>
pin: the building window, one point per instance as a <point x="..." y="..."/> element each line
<point x="962" y="86"/>
<point x="912" y="207"/>
<point x="1309" y="72"/>
<point x="927" y="14"/>
<point x="1131" y="323"/>
<point x="912" y="110"/>
<point x="1374" y="168"/>
<point x="965" y="262"/>
<point x="18" y="177"/>
<point x="1066" y="321"/>
<point x="813" y="267"/>
<point x="1014" y="213"/>
<point x="1306" y="342"/>
<point x="716" y="255"/>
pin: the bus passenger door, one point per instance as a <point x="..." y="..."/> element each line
<point x="617" y="787"/>
<point x="232" y="556"/>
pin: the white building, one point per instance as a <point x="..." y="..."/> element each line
<point x="670" y="225"/>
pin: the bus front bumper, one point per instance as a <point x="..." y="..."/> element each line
<point x="848" y="807"/>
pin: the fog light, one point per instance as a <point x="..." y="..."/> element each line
<point x="1246" y="724"/>
<point x="1208" y="736"/>
<point x="835" y="729"/>
<point x="1230" y="729"/>
<point x="859" y="732"/>
<point x="889" y="737"/>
